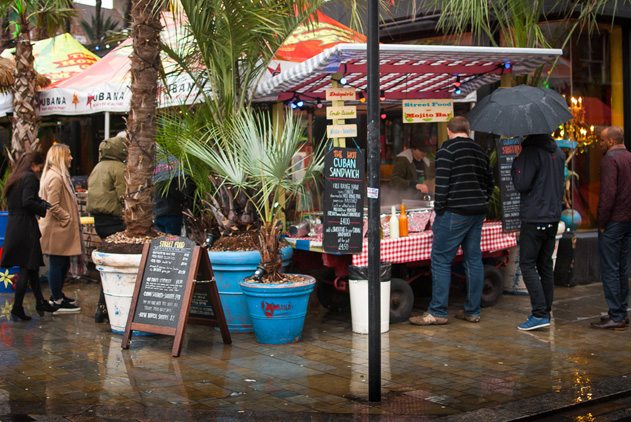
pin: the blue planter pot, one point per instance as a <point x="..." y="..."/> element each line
<point x="230" y="269"/>
<point x="7" y="278"/>
<point x="278" y="310"/>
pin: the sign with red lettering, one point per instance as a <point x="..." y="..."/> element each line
<point x="341" y="94"/>
<point x="427" y="111"/>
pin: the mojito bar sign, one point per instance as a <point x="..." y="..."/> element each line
<point x="427" y="111"/>
<point x="343" y="201"/>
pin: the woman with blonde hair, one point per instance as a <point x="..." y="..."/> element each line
<point x="61" y="230"/>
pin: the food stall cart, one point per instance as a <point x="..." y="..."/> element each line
<point x="410" y="257"/>
<point x="407" y="72"/>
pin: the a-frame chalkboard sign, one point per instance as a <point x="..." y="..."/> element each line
<point x="173" y="270"/>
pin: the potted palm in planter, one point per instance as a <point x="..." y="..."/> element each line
<point x="254" y="156"/>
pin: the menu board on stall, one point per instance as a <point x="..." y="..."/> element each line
<point x="172" y="268"/>
<point x="344" y="188"/>
<point x="507" y="150"/>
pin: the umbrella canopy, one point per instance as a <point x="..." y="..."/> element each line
<point x="167" y="166"/>
<point x="519" y="111"/>
<point x="59" y="57"/>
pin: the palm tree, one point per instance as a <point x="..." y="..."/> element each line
<point x="254" y="156"/>
<point x="97" y="28"/>
<point x="141" y="127"/>
<point x="27" y="13"/>
<point x="225" y="47"/>
<point x="517" y="21"/>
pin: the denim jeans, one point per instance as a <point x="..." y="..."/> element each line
<point x="452" y="230"/>
<point x="57" y="269"/>
<point x="614" y="245"/>
<point x="536" y="245"/>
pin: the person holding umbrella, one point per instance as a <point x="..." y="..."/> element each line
<point x="538" y="175"/>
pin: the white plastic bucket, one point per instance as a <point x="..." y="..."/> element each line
<point x="359" y="306"/>
<point x="118" y="276"/>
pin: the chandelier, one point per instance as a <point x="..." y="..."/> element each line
<point x="577" y="129"/>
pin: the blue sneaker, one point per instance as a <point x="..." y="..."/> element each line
<point x="532" y="323"/>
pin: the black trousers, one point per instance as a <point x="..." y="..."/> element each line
<point x="536" y="245"/>
<point x="106" y="225"/>
<point x="27" y="277"/>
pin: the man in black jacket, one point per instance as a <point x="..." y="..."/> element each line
<point x="538" y="177"/>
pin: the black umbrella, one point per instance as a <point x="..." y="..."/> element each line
<point x="519" y="111"/>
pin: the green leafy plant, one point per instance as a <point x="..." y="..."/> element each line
<point x="254" y="157"/>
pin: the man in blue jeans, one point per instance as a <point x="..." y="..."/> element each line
<point x="464" y="183"/>
<point x="614" y="228"/>
<point x="538" y="175"/>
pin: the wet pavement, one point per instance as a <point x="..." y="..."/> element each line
<point x="68" y="367"/>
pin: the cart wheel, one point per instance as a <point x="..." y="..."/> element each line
<point x="493" y="286"/>
<point x="331" y="298"/>
<point x="401" y="300"/>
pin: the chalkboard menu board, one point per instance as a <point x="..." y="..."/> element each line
<point x="164" y="279"/>
<point x="174" y="280"/>
<point x="201" y="305"/>
<point x="507" y="150"/>
<point x="344" y="188"/>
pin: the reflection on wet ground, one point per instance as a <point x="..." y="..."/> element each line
<point x="69" y="366"/>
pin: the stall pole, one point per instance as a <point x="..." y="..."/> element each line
<point x="374" y="289"/>
<point x="106" y="130"/>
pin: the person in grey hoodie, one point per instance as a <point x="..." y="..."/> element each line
<point x="538" y="175"/>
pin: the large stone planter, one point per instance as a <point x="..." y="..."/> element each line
<point x="230" y="269"/>
<point x="118" y="276"/>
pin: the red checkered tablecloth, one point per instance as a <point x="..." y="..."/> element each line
<point x="418" y="246"/>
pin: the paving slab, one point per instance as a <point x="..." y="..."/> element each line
<point x="67" y="367"/>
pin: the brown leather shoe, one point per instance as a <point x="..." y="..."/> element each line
<point x="605" y="318"/>
<point x="428" y="319"/>
<point x="467" y="317"/>
<point x="609" y="325"/>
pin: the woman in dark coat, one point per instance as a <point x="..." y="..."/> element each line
<point x="21" y="246"/>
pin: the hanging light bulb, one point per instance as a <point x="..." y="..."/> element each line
<point x="319" y="103"/>
<point x="362" y="99"/>
<point x="382" y="95"/>
<point x="343" y="80"/>
<point x="300" y="103"/>
<point x="383" y="116"/>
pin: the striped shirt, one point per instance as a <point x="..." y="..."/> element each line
<point x="464" y="181"/>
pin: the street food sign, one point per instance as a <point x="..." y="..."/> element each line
<point x="172" y="271"/>
<point x="344" y="189"/>
<point x="507" y="150"/>
<point x="427" y="111"/>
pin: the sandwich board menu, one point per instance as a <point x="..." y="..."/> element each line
<point x="507" y="150"/>
<point x="344" y="188"/>
<point x="172" y="271"/>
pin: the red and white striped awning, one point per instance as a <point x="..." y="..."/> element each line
<point x="407" y="71"/>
